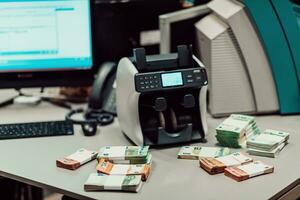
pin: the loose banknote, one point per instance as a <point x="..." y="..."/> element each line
<point x="196" y="152"/>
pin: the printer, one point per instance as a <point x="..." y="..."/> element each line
<point x="251" y="52"/>
<point x="161" y="99"/>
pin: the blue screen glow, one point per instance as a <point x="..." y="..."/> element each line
<point x="38" y="35"/>
<point x="172" y="79"/>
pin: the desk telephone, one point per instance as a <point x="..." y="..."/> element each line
<point x="102" y="102"/>
<point x="103" y="95"/>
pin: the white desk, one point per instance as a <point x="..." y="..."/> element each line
<point x="33" y="161"/>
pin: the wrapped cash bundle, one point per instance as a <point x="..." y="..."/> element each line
<point x="196" y="152"/>
<point x="109" y="168"/>
<point x="99" y="182"/>
<point x="125" y="154"/>
<point x="247" y="171"/>
<point x="234" y="130"/>
<point x="218" y="165"/>
<point x="76" y="159"/>
<point x="269" y="143"/>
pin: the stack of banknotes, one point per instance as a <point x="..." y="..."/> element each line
<point x="125" y="154"/>
<point x="120" y="168"/>
<point x="106" y="167"/>
<point x="196" y="152"/>
<point x="99" y="182"/>
<point x="218" y="165"/>
<point x="75" y="160"/>
<point x="234" y="130"/>
<point x="244" y="172"/>
<point x="236" y="166"/>
<point x="269" y="143"/>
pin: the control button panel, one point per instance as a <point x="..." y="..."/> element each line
<point x="195" y="77"/>
<point x="175" y="79"/>
<point x="147" y="82"/>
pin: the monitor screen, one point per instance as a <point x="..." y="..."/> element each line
<point x="45" y="35"/>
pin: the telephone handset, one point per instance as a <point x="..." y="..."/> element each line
<point x="102" y="102"/>
<point x="103" y="95"/>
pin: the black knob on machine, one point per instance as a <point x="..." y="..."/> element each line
<point x="160" y="104"/>
<point x="188" y="101"/>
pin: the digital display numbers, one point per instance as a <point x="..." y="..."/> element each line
<point x="171" y="79"/>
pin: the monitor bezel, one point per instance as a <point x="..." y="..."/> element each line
<point x="53" y="78"/>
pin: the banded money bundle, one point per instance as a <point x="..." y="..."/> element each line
<point x="196" y="152"/>
<point x="120" y="168"/>
<point x="269" y="143"/>
<point x="99" y="182"/>
<point x="76" y="159"/>
<point x="244" y="172"/>
<point x="109" y="168"/>
<point x="234" y="130"/>
<point x="218" y="165"/>
<point x="125" y="154"/>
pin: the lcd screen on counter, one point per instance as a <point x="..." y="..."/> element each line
<point x="171" y="79"/>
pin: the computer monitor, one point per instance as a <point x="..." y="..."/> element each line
<point x="45" y="43"/>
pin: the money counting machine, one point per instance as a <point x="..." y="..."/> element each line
<point x="161" y="99"/>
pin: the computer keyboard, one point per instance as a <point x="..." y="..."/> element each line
<point x="36" y="129"/>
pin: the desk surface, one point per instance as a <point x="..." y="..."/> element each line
<point x="33" y="161"/>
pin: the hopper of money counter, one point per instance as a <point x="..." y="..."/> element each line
<point x="161" y="99"/>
